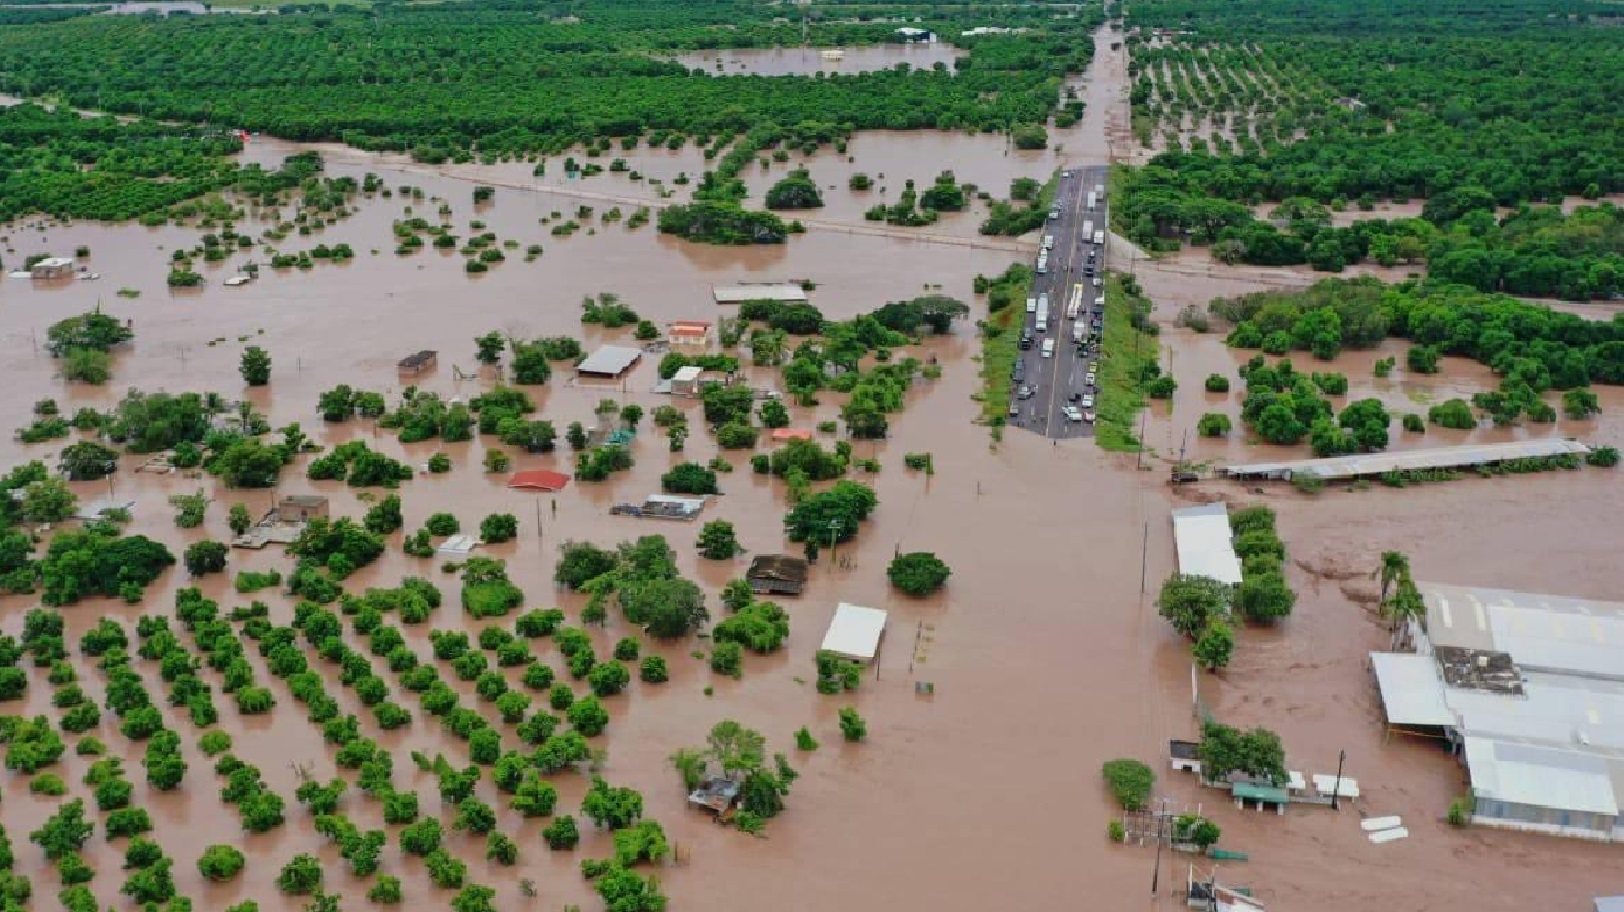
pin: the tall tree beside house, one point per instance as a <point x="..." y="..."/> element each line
<point x="256" y="366"/>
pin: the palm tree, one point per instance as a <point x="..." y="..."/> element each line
<point x="1407" y="604"/>
<point x="1395" y="566"/>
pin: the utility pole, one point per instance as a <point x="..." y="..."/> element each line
<point x="834" y="526"/>
<point x="1156" y="875"/>
<point x="1336" y="790"/>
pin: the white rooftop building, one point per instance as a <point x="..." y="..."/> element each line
<point x="1205" y="543"/>
<point x="855" y="632"/>
<point x="759" y="291"/>
<point x="1529" y="689"/>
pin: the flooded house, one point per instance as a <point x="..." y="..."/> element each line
<point x="419" y="362"/>
<point x="611" y="362"/>
<point x="688" y="332"/>
<point x="776" y="574"/>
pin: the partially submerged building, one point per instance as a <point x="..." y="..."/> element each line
<point x="716" y="795"/>
<point x="855" y="632"/>
<point x="1205" y="543"/>
<point x="52" y="268"/>
<point x="1528" y="691"/>
<point x="457" y="547"/>
<point x="299" y="508"/>
<point x="688" y="332"/>
<point x="776" y="574"/>
<point x="611" y="362"/>
<point x="419" y="362"/>
<point x="283" y="523"/>
<point x="539" y="480"/>
<point x="662" y="506"/>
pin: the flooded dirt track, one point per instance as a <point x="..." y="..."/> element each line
<point x="1045" y="652"/>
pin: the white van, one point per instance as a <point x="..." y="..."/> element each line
<point x="1099" y="238"/>
<point x="1048" y="242"/>
<point x="1032" y="305"/>
<point x="1048" y="348"/>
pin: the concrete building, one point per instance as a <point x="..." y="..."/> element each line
<point x="776" y="574"/>
<point x="294" y="508"/>
<point x="1205" y="543"/>
<point x="52" y="268"/>
<point x="1528" y="690"/>
<point x="686" y="381"/>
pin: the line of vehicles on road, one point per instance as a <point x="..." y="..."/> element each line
<point x="1087" y="317"/>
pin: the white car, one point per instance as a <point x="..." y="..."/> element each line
<point x="1088" y="402"/>
<point x="1088" y="417"/>
<point x="1098" y="281"/>
<point x="1088" y="378"/>
<point x="1071" y="413"/>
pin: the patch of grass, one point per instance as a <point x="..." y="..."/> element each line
<point x="1000" y="346"/>
<point x="1125" y="354"/>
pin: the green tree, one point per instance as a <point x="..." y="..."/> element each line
<point x="1215" y="646"/>
<point x="220" y="862"/>
<point x="239" y="519"/>
<point x="1213" y="424"/>
<point x="48" y="501"/>
<point x="1265" y="597"/>
<point x="918" y="573"/>
<point x="88" y="460"/>
<point x="852" y="726"/>
<point x="1130" y="782"/>
<point x="255" y="366"/>
<point x="488" y="348"/>
<point x="205" y="557"/>
<point x="1190" y="602"/>
<point x="64" y="832"/>
<point x="498" y="527"/>
<point x="717" y="541"/>
<point x="1256" y="753"/>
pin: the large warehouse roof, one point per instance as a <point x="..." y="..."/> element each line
<point x="1540" y="632"/>
<point x="1368" y="464"/>
<point x="855" y="632"/>
<point x="1540" y="776"/>
<point x="1205" y="543"/>
<point x="738" y="294"/>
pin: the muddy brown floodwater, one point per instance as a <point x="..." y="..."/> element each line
<point x="1045" y="652"/>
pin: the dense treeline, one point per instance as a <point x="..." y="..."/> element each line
<point x="441" y="80"/>
<point x="1497" y="104"/>
<point x="1533" y="348"/>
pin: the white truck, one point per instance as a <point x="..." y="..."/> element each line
<point x="1048" y="348"/>
<point x="1079" y="333"/>
<point x="1099" y="238"/>
<point x="1043" y="263"/>
<point x="1048" y="242"/>
<point x="1088" y="229"/>
<point x="1092" y="200"/>
<point x="1032" y="305"/>
<point x="1043" y="313"/>
<point x="1075" y="304"/>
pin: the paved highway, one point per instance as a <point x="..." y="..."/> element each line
<point x="1051" y="383"/>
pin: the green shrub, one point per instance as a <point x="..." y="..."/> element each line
<point x="1130" y="782"/>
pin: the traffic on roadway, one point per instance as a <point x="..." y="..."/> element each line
<point x="1053" y="388"/>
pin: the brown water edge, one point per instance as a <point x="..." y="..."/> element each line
<point x="1046" y="656"/>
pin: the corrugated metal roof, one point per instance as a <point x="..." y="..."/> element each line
<point x="1205" y="543"/>
<point x="1411" y="460"/>
<point x="610" y="360"/>
<point x="1541" y="632"/>
<point x="1411" y="689"/>
<point x="1540" y="776"/>
<point x="738" y="294"/>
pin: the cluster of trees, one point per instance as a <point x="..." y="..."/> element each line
<point x="914" y="208"/>
<point x="1201" y="608"/>
<point x="1373" y="103"/>
<point x="1533" y="348"/>
<point x="740" y="753"/>
<point x="641" y="577"/>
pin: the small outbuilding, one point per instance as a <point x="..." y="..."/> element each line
<point x="1186" y="756"/>
<point x="776" y="574"/>
<point x="610" y="362"/>
<point x="662" y="506"/>
<point x="687" y="381"/>
<point x="688" y="332"/>
<point x="539" y="480"/>
<point x="418" y="363"/>
<point x="855" y="632"/>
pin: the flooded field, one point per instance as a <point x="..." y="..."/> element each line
<point x="1045" y="652"/>
<point x="809" y="61"/>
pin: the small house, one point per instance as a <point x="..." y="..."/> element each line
<point x="99" y="508"/>
<point x="51" y="268"/>
<point x="687" y="381"/>
<point x="301" y="508"/>
<point x="457" y="546"/>
<point x="910" y="34"/>
<point x="716" y="795"/>
<point x="688" y="332"/>
<point x="662" y="506"/>
<point x="539" y="480"/>
<point x="776" y="574"/>
<point x="1186" y="756"/>
<point x="418" y="363"/>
